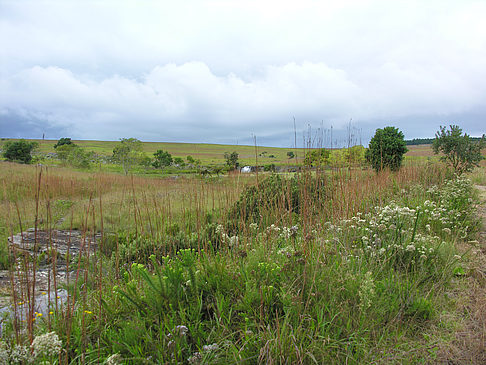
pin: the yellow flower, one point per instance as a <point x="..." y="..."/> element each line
<point x="39" y="314"/>
<point x="51" y="312"/>
<point x="88" y="312"/>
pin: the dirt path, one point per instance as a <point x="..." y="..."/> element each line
<point x="469" y="344"/>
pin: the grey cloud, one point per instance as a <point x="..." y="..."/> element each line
<point x="219" y="71"/>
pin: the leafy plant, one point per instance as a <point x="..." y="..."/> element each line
<point x="162" y="159"/>
<point x="128" y="153"/>
<point x="232" y="159"/>
<point x="63" y="142"/>
<point x="19" y="151"/>
<point x="386" y="149"/>
<point x="460" y="151"/>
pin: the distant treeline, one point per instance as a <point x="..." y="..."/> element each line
<point x="417" y="141"/>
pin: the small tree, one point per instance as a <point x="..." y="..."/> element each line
<point x="290" y="154"/>
<point x="19" y="151"/>
<point x="190" y="160"/>
<point x="232" y="160"/>
<point x="386" y="149"/>
<point x="179" y="161"/>
<point x="460" y="151"/>
<point x="162" y="159"/>
<point x="317" y="157"/>
<point x="74" y="155"/>
<point x="64" y="142"/>
<point x="128" y="153"/>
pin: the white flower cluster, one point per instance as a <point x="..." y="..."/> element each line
<point x="451" y="208"/>
<point x="46" y="345"/>
<point x="4" y="355"/>
<point x="231" y="241"/>
<point x="18" y="354"/>
<point x="197" y="357"/>
<point x="115" y="359"/>
<point x="366" y="291"/>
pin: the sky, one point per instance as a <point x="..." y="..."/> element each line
<point x="283" y="72"/>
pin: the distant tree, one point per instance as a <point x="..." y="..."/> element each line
<point x="318" y="156"/>
<point x="290" y="154"/>
<point x="232" y="160"/>
<point x="19" y="151"/>
<point x="179" y="161"/>
<point x="460" y="151"/>
<point x="63" y="142"/>
<point x="73" y="155"/>
<point x="190" y="159"/>
<point x="355" y="155"/>
<point x="386" y="149"/>
<point x="162" y="159"/>
<point x="128" y="153"/>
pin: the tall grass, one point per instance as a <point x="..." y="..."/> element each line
<point x="331" y="266"/>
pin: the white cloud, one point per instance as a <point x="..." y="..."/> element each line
<point x="207" y="70"/>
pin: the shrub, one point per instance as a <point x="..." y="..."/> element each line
<point x="275" y="194"/>
<point x="64" y="142"/>
<point x="460" y="151"/>
<point x="386" y="149"/>
<point x="162" y="159"/>
<point x="19" y="151"/>
<point x="232" y="160"/>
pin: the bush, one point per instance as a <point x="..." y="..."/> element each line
<point x="64" y="142"/>
<point x="276" y="194"/>
<point x="162" y="159"/>
<point x="386" y="149"/>
<point x="19" y="151"/>
<point x="460" y="151"/>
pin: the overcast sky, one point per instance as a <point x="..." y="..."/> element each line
<point x="222" y="71"/>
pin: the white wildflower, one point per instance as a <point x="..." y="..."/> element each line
<point x="253" y="226"/>
<point x="219" y="229"/>
<point x="180" y="330"/>
<point x="366" y="291"/>
<point x="410" y="248"/>
<point x="20" y="355"/>
<point x="46" y="345"/>
<point x="115" y="359"/>
<point x="196" y="358"/>
<point x="3" y="353"/>
<point x="209" y="348"/>
<point x="446" y="230"/>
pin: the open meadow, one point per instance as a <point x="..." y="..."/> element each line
<point x="341" y="265"/>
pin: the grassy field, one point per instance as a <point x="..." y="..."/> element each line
<point x="213" y="154"/>
<point x="207" y="153"/>
<point x="341" y="266"/>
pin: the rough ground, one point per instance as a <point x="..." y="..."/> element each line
<point x="27" y="244"/>
<point x="469" y="343"/>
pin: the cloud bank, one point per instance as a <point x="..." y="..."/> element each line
<point x="222" y="71"/>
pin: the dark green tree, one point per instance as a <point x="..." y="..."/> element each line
<point x="162" y="159"/>
<point x="459" y="151"/>
<point x="63" y="142"/>
<point x="232" y="160"/>
<point x="386" y="149"/>
<point x="290" y="154"/>
<point x="19" y="151"/>
<point x="179" y="161"/>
